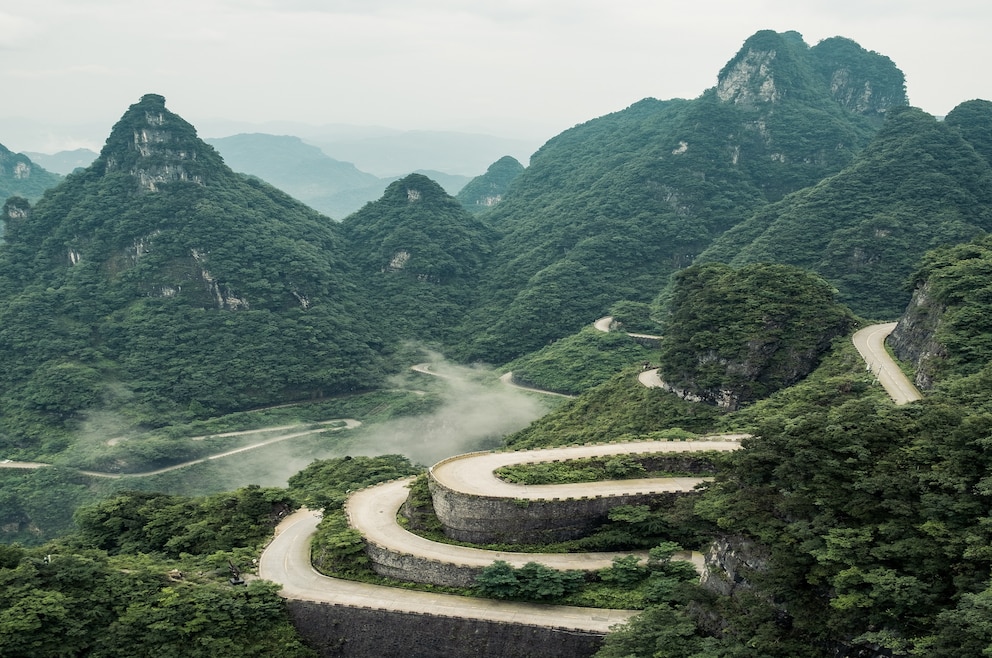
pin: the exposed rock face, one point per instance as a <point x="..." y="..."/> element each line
<point x="861" y="81"/>
<point x="729" y="560"/>
<point x="154" y="145"/>
<point x="750" y="80"/>
<point x="913" y="339"/>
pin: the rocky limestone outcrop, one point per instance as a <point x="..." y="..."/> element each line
<point x="157" y="146"/>
<point x="914" y="338"/>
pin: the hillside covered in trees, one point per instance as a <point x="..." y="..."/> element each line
<point x="753" y="227"/>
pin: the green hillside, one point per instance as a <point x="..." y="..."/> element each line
<point x="918" y="185"/>
<point x="485" y="191"/>
<point x="737" y="336"/>
<point x="161" y="285"/>
<point x="159" y="290"/>
<point x="420" y="255"/>
<point x="608" y="210"/>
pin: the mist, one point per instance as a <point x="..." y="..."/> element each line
<point x="477" y="411"/>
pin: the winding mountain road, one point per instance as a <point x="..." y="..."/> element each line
<point x="373" y="512"/>
<point x="287" y="561"/>
<point x="870" y="343"/>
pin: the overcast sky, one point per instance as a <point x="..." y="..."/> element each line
<point x="528" y="68"/>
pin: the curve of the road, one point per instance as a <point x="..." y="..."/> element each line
<point x="870" y="343"/>
<point x="373" y="511"/>
<point x="348" y="423"/>
<point x="287" y="561"/>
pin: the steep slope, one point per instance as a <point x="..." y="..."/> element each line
<point x="157" y="282"/>
<point x="19" y="176"/>
<point x="920" y="184"/>
<point x="736" y="336"/>
<point x="485" y="191"/>
<point x="945" y="331"/>
<point x="301" y="170"/>
<point x="609" y="209"/>
<point x="421" y="254"/>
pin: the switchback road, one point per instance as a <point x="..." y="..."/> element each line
<point x="287" y="561"/>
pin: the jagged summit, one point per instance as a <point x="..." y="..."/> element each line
<point x="156" y="146"/>
<point x="764" y="70"/>
<point x="773" y="67"/>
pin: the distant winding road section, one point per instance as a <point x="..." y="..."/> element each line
<point x="346" y="424"/>
<point x="870" y="343"/>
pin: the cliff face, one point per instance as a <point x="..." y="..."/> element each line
<point x="914" y="338"/>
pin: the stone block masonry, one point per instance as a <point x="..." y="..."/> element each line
<point x="336" y="631"/>
<point x="494" y="520"/>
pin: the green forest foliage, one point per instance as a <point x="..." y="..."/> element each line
<point x="735" y="336"/>
<point x="204" y="295"/>
<point x="617" y="410"/>
<point x="421" y="256"/>
<point x="610" y="208"/>
<point x="579" y="362"/>
<point x="919" y="185"/>
<point x="148" y="574"/>
<point x="487" y="190"/>
<point x="144" y="522"/>
<point x="958" y="287"/>
<point x="22" y="178"/>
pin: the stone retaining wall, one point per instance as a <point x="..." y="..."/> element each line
<point x="493" y="520"/>
<point x="417" y="569"/>
<point x="335" y="631"/>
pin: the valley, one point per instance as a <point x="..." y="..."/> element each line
<point x="189" y="354"/>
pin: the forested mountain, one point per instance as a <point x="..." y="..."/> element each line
<point x="158" y="282"/>
<point x="421" y="254"/>
<point x="485" y="191"/>
<point x="735" y="336"/>
<point x="609" y="209"/>
<point x="19" y="176"/>
<point x="921" y="183"/>
<point x="163" y="287"/>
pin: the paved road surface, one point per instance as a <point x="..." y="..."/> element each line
<point x="473" y="473"/>
<point x="603" y="324"/>
<point x="507" y="378"/>
<point x="372" y="512"/>
<point x="651" y="378"/>
<point x="287" y="561"/>
<point x="870" y="343"/>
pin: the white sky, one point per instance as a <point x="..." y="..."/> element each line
<point x="527" y="68"/>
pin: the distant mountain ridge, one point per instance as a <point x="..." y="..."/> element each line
<point x="20" y="176"/>
<point x="306" y="173"/>
<point x="64" y="162"/>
